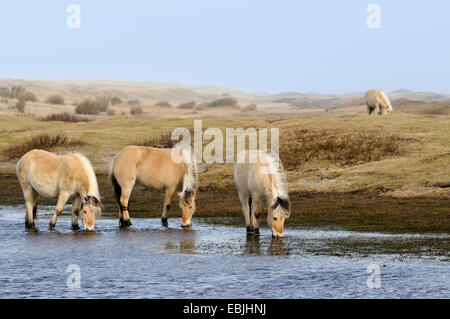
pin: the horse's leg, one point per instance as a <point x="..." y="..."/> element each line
<point x="378" y="109"/>
<point x="30" y="203"/>
<point x="246" y="204"/>
<point x="62" y="200"/>
<point x="256" y="212"/>
<point x="123" y="204"/>
<point x="76" y="206"/>
<point x="168" y="199"/>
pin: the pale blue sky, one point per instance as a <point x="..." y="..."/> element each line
<point x="252" y="45"/>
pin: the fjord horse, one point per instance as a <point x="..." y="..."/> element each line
<point x="59" y="176"/>
<point x="156" y="168"/>
<point x="258" y="175"/>
<point x="378" y="103"/>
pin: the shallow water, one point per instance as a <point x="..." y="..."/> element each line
<point x="210" y="260"/>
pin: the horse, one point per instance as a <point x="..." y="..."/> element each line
<point x="378" y="103"/>
<point x="49" y="175"/>
<point x="259" y="175"/>
<point x="158" y="169"/>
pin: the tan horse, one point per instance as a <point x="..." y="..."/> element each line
<point x="258" y="175"/>
<point x="154" y="167"/>
<point x="378" y="103"/>
<point x="59" y="176"/>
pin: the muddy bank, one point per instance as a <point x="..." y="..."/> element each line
<point x="366" y="211"/>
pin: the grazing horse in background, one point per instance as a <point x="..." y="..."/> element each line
<point x="378" y="103"/>
<point x="59" y="176"/>
<point x="258" y="175"/>
<point x="156" y="168"/>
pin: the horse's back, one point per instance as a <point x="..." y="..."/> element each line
<point x="41" y="170"/>
<point x="249" y="171"/>
<point x="152" y="167"/>
<point x="371" y="98"/>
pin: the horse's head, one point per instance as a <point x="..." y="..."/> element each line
<point x="90" y="208"/>
<point x="278" y="213"/>
<point x="187" y="205"/>
<point x="389" y="110"/>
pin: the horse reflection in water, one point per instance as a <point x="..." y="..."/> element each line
<point x="276" y="247"/>
<point x="186" y="246"/>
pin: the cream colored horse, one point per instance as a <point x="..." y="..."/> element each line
<point x="258" y="175"/>
<point x="378" y="103"/>
<point x="59" y="176"/>
<point x="155" y="167"/>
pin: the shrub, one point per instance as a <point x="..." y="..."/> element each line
<point x="225" y="101"/>
<point x="55" y="99"/>
<point x="187" y="106"/>
<point x="65" y="117"/>
<point x="136" y="110"/>
<point x="163" y="104"/>
<point x="103" y="103"/>
<point x="116" y="100"/>
<point x="20" y="104"/>
<point x="111" y="112"/>
<point x="163" y="141"/>
<point x="44" y="142"/>
<point x="88" y="106"/>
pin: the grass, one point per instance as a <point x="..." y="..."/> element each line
<point x="414" y="164"/>
<point x="341" y="148"/>
<point x="43" y="142"/>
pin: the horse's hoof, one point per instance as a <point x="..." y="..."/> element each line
<point x="250" y="231"/>
<point x="124" y="223"/>
<point x="256" y="232"/>
<point x="30" y="227"/>
<point x="75" y="227"/>
<point x="51" y="226"/>
<point x="186" y="226"/>
<point x="164" y="222"/>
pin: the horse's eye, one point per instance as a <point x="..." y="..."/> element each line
<point x="190" y="207"/>
<point x="274" y="218"/>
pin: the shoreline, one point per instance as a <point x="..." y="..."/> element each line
<point x="356" y="211"/>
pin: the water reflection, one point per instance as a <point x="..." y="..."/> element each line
<point x="252" y="246"/>
<point x="186" y="246"/>
<point x="276" y="247"/>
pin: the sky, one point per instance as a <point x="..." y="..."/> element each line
<point x="273" y="46"/>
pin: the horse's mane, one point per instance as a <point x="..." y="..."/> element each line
<point x="89" y="169"/>
<point x="190" y="176"/>
<point x="280" y="186"/>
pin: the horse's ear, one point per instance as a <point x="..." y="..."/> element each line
<point x="180" y="194"/>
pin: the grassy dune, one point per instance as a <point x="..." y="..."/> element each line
<point x="403" y="155"/>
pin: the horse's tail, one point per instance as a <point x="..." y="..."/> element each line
<point x="117" y="188"/>
<point x="281" y="203"/>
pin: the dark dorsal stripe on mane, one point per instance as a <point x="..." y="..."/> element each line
<point x="283" y="202"/>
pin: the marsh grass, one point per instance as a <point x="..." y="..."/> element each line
<point x="43" y="142"/>
<point x="339" y="148"/>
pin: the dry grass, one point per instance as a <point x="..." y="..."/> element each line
<point x="343" y="149"/>
<point x="65" y="117"/>
<point x="425" y="108"/>
<point x="43" y="142"/>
